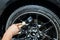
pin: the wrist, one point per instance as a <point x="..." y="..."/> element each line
<point x="7" y="36"/>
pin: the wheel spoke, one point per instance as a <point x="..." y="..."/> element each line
<point x="43" y="24"/>
<point x="44" y="35"/>
<point x="49" y="37"/>
<point x="36" y="20"/>
<point x="43" y="38"/>
<point x="48" y="29"/>
<point x="46" y="23"/>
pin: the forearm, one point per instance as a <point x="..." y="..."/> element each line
<point x="7" y="36"/>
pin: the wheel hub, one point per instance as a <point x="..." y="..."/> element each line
<point x="33" y="32"/>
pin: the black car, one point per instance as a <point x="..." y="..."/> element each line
<point x="42" y="17"/>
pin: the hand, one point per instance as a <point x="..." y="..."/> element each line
<point x="14" y="29"/>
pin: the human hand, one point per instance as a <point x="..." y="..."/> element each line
<point x="15" y="28"/>
<point x="12" y="30"/>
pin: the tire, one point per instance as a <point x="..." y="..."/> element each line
<point x="35" y="9"/>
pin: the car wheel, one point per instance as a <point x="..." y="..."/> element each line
<point x="42" y="23"/>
